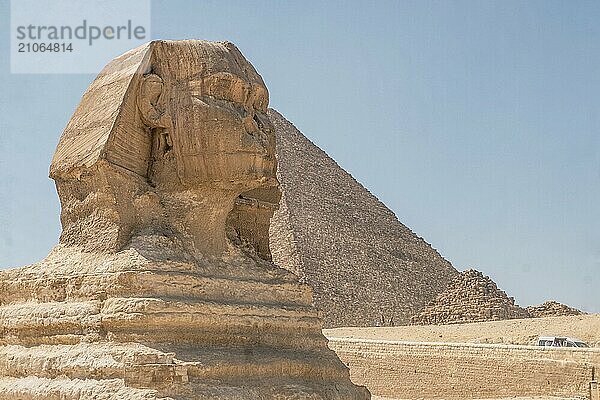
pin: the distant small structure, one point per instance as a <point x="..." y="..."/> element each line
<point x="552" y="309"/>
<point x="470" y="297"/>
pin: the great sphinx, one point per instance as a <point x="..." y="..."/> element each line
<point x="162" y="285"/>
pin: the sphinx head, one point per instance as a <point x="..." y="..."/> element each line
<point x="166" y="138"/>
<point x="205" y="104"/>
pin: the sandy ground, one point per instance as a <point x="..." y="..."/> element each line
<point x="506" y="398"/>
<point x="519" y="331"/>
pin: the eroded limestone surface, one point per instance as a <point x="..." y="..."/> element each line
<point x="162" y="284"/>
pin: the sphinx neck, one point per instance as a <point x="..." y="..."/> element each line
<point x="198" y="217"/>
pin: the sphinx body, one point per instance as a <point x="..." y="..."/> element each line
<point x="162" y="284"/>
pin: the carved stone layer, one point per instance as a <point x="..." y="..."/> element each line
<point x="179" y="329"/>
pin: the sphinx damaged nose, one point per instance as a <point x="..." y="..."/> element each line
<point x="259" y="132"/>
<point x="251" y="124"/>
<point x="255" y="141"/>
<point x="263" y="122"/>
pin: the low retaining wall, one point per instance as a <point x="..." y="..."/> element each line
<point x="410" y="370"/>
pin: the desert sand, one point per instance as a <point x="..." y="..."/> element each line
<point x="506" y="398"/>
<point x="517" y="331"/>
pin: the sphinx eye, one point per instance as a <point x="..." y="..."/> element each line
<point x="226" y="86"/>
<point x="219" y="87"/>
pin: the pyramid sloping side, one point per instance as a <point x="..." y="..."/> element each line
<point x="360" y="260"/>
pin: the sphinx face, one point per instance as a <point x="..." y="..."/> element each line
<point x="221" y="132"/>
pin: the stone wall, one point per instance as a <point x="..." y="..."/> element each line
<point x="404" y="370"/>
<point x="363" y="264"/>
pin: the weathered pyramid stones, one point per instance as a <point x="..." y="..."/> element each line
<point x="363" y="264"/>
<point x="552" y="309"/>
<point x="470" y="297"/>
<point x="161" y="286"/>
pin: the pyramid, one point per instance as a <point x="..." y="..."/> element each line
<point x="365" y="267"/>
<point x="552" y="309"/>
<point x="161" y="286"/>
<point x="470" y="297"/>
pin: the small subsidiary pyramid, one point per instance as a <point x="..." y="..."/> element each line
<point x="365" y="266"/>
<point x="552" y="309"/>
<point x="470" y="297"/>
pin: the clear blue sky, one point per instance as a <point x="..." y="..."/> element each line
<point x="476" y="122"/>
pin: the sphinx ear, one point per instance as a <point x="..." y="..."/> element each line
<point x="151" y="102"/>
